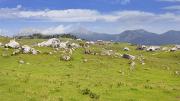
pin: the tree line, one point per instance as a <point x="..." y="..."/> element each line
<point x="41" y="36"/>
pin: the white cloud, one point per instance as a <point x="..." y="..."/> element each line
<point x="82" y="15"/>
<point x="125" y="1"/>
<point x="69" y="15"/>
<point x="28" y="31"/>
<point x="56" y="30"/>
<point x="50" y="30"/>
<point x="118" y="20"/>
<point x="19" y="6"/>
<point x="170" y="0"/>
<point x="175" y="7"/>
<point x="3" y="32"/>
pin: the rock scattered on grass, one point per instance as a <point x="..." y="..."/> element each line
<point x="17" y="51"/>
<point x="126" y="49"/>
<point x="121" y="72"/>
<point x="21" y="62"/>
<point x="173" y="49"/>
<point x="66" y="58"/>
<point x="177" y="72"/>
<point x="141" y="47"/>
<point x="12" y="44"/>
<point x="128" y="56"/>
<point x="85" y="60"/>
<point x="107" y="52"/>
<point x="132" y="65"/>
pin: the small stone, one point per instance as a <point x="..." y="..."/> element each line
<point x="66" y="58"/>
<point x="130" y="57"/>
<point x="177" y="72"/>
<point x="85" y="60"/>
<point x="143" y="63"/>
<point x="50" y="53"/>
<point x="21" y="62"/>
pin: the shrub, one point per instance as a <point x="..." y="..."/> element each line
<point x="93" y="95"/>
<point x="85" y="91"/>
<point x="88" y="92"/>
<point x="148" y="87"/>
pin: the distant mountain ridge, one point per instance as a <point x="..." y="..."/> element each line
<point x="139" y="36"/>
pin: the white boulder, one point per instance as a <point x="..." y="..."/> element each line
<point x="12" y="44"/>
<point x="79" y="39"/>
<point x="141" y="47"/>
<point x="130" y="57"/>
<point x="75" y="45"/>
<point x="21" y="61"/>
<point x="54" y="42"/>
<point x="1" y="44"/>
<point x="107" y="52"/>
<point x="165" y="48"/>
<point x="126" y="49"/>
<point x="90" y="42"/>
<point x="66" y="58"/>
<point x="153" y="48"/>
<point x="33" y="51"/>
<point x="178" y="47"/>
<point x="173" y="49"/>
<point x="63" y="44"/>
<point x="26" y="49"/>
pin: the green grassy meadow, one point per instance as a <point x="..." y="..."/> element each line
<point x="45" y="77"/>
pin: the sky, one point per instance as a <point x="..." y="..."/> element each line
<point x="103" y="16"/>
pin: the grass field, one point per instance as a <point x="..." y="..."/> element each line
<point x="45" y="77"/>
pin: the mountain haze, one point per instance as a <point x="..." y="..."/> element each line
<point x="139" y="36"/>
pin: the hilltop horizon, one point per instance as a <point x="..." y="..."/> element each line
<point x="139" y="36"/>
<point x="75" y="30"/>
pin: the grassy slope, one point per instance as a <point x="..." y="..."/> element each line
<point x="47" y="78"/>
